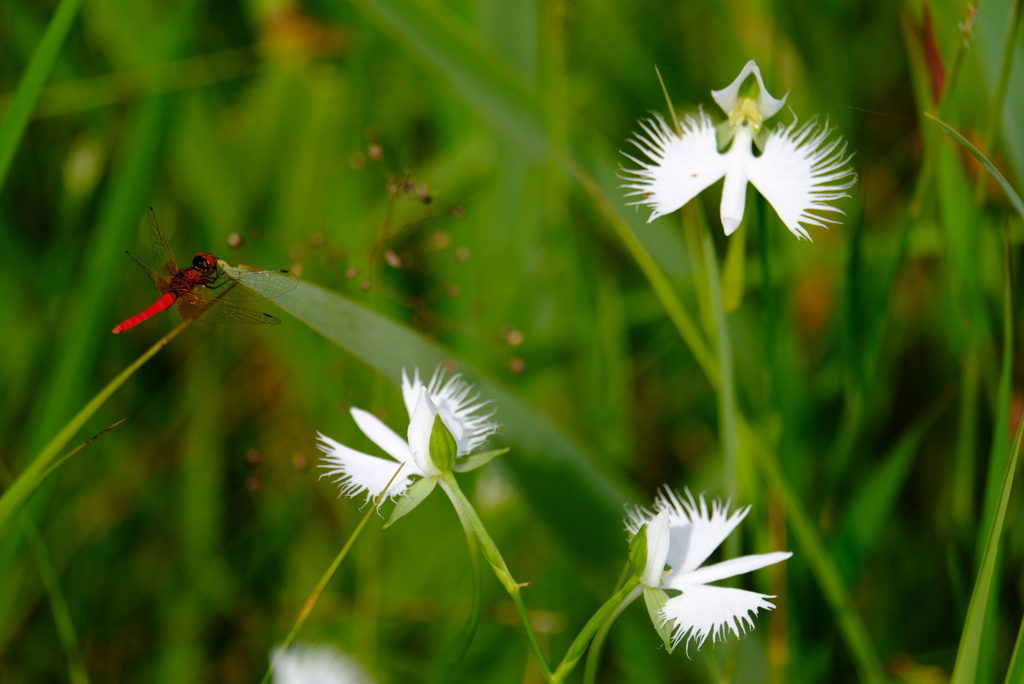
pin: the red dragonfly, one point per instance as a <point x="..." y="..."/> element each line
<point x="203" y="289"/>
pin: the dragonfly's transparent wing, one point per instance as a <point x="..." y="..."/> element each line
<point x="244" y="285"/>
<point x="163" y="256"/>
<point x="203" y="310"/>
<point x="163" y="285"/>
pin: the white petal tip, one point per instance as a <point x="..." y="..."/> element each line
<point x="730" y="225"/>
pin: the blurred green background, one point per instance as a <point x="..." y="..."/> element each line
<point x="451" y="165"/>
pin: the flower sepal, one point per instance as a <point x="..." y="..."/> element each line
<point x="477" y="460"/>
<point x="648" y="550"/>
<point x="655" y="600"/>
<point x="443" y="449"/>
<point x="414" y="495"/>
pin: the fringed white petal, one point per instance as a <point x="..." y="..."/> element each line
<point x="304" y="664"/>
<point x="457" y="404"/>
<point x="725" y="569"/>
<point x="696" y="533"/>
<point x="357" y="472"/>
<point x="702" y="611"/>
<point x="381" y="435"/>
<point x="800" y="172"/>
<point x="679" y="168"/>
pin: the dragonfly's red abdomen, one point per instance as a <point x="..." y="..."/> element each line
<point x="159" y="305"/>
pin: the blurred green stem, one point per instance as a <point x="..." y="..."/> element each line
<point x="493" y="556"/>
<point x="32" y="477"/>
<point x="460" y="647"/>
<point x="726" y="388"/>
<point x="606" y="613"/>
<point x="307" y="607"/>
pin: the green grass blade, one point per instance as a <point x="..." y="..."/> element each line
<point x="1011" y="194"/>
<point x="1015" y="674"/>
<point x="872" y="507"/>
<point x="968" y="653"/>
<point x="15" y="498"/>
<point x="579" y="501"/>
<point x="855" y="633"/>
<point x="31" y="84"/>
<point x="77" y="674"/>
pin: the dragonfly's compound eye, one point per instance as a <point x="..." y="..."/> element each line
<point x="204" y="262"/>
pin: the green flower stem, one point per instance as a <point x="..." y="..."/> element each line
<point x="493" y="556"/>
<point x="688" y="329"/>
<point x="473" y="621"/>
<point x="606" y="613"/>
<point x="15" y="498"/>
<point x="307" y="608"/>
<point x="594" y="654"/>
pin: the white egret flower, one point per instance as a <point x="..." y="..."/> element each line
<point x="699" y="610"/>
<point x="304" y="664"/>
<point x="798" y="171"/>
<point x="453" y="400"/>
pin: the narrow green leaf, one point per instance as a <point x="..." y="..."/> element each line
<point x="579" y="501"/>
<point x="413" y="497"/>
<point x="966" y="667"/>
<point x="475" y="461"/>
<point x="32" y="81"/>
<point x="655" y="600"/>
<point x="1011" y="194"/>
<point x="668" y="100"/>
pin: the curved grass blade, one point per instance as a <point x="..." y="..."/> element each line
<point x="32" y="81"/>
<point x="15" y="498"/>
<point x="968" y="653"/>
<point x="543" y="461"/>
<point x="1015" y="674"/>
<point x="1011" y="194"/>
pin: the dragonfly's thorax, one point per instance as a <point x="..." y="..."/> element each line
<point x="202" y="272"/>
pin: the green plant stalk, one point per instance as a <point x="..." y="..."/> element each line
<point x="32" y="81"/>
<point x="493" y="556"/>
<point x="662" y="287"/>
<point x="605" y="614"/>
<point x="967" y="655"/>
<point x="727" y="386"/>
<point x="311" y="602"/>
<point x="460" y="647"/>
<point x="15" y="498"/>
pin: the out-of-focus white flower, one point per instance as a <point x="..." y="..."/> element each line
<point x="798" y="171"/>
<point x="306" y="664"/>
<point x="693" y="534"/>
<point x="453" y="400"/>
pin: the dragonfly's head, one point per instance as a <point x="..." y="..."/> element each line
<point x="204" y="263"/>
